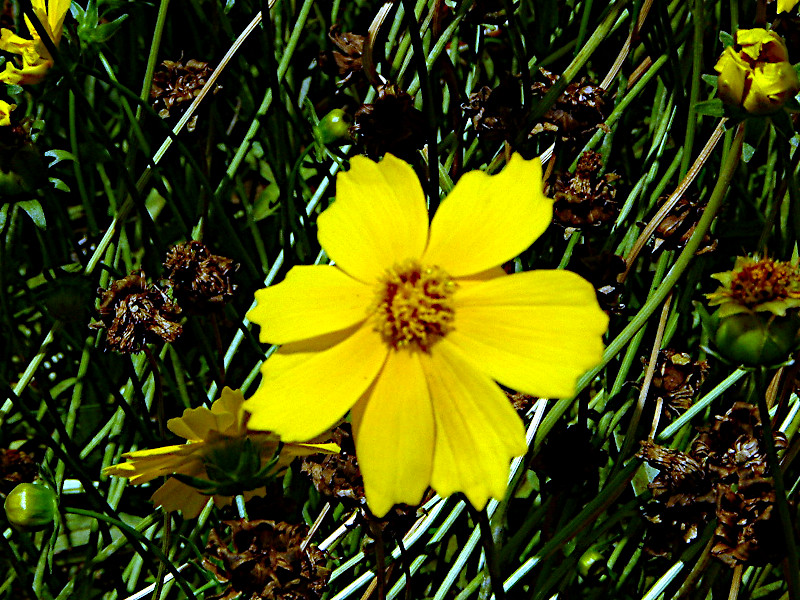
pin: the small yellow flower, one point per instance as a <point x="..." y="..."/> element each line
<point x="412" y="327"/>
<point x="5" y="113"/>
<point x="786" y="5"/>
<point x="36" y="60"/>
<point x="217" y="437"/>
<point x="755" y="74"/>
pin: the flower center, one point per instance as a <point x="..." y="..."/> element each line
<point x="764" y="281"/>
<point x="414" y="305"/>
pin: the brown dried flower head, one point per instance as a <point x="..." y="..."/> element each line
<point x="348" y="58"/>
<point x="201" y="282"/>
<point x="265" y="559"/>
<point x="337" y="476"/>
<point x="390" y="124"/>
<point x="16" y="467"/>
<point x="577" y="112"/>
<point x="584" y="199"/>
<point x="495" y="113"/>
<point x="175" y="86"/>
<point x="677" y="379"/>
<point x="678" y="226"/>
<point x="136" y="313"/>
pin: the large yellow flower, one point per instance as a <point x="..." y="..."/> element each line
<point x="36" y="60"/>
<point x="219" y="442"/>
<point x="414" y="322"/>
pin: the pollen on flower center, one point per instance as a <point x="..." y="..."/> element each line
<point x="764" y="281"/>
<point x="413" y="305"/>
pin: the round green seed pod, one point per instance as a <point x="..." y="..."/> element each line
<point x="31" y="506"/>
<point x="333" y="127"/>
<point x="757" y="338"/>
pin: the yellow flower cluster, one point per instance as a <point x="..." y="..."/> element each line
<point x="755" y="73"/>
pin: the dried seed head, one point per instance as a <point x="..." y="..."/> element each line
<point x="175" y="86"/>
<point x="201" y="281"/>
<point x="265" y="560"/>
<point x="584" y="199"/>
<point x="348" y="58"/>
<point x="16" y="467"/>
<point x="390" y="124"/>
<point x="678" y="226"/>
<point x="495" y="113"/>
<point x="677" y="379"/>
<point x="136" y="313"/>
<point x="337" y="476"/>
<point x="577" y="112"/>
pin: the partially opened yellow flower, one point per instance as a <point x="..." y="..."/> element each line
<point x="36" y="60"/>
<point x="413" y="324"/>
<point x="220" y="449"/>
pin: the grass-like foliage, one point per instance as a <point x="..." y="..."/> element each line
<point x="161" y="162"/>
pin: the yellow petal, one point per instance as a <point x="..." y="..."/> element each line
<point x="144" y="465"/>
<point x="379" y="218"/>
<point x="487" y="220"/>
<point x="196" y="423"/>
<point x="311" y="301"/>
<point x="176" y="495"/>
<point x="230" y="402"/>
<point x="477" y="430"/>
<point x="786" y="5"/>
<point x="394" y="434"/>
<point x="535" y="332"/>
<point x="308" y="386"/>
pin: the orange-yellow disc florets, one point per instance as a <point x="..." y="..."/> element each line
<point x="763" y="285"/>
<point x="414" y="305"/>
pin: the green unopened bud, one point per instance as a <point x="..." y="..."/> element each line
<point x="31" y="506"/>
<point x="333" y="127"/>
<point x="757" y="338"/>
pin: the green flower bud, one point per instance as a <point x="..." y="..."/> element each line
<point x="31" y="506"/>
<point x="591" y="564"/>
<point x="757" y="338"/>
<point x="333" y="127"/>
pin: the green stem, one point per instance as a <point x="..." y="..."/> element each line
<point x="490" y="550"/>
<point x="780" y="488"/>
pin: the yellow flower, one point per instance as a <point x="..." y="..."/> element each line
<point x="413" y="324"/>
<point x="36" y="60"/>
<point x="219" y="441"/>
<point x="757" y="285"/>
<point x="5" y="112"/>
<point x="786" y="5"/>
<point x="755" y="74"/>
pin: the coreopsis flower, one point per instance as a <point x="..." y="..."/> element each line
<point x="755" y="73"/>
<point x="412" y="327"/>
<point x="5" y="112"/>
<point x="758" y="310"/>
<point x="222" y="457"/>
<point x="36" y="60"/>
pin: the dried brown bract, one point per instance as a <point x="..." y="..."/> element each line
<point x="577" y="112"/>
<point x="585" y="198"/>
<point x="175" y="86"/>
<point x="136" y="313"/>
<point x="201" y="282"/>
<point x="16" y="467"/>
<point x="265" y="559"/>
<point x="522" y="402"/>
<point x="348" y="58"/>
<point x="495" y="113"/>
<point x="678" y="226"/>
<point x="677" y="379"/>
<point x="390" y="124"/>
